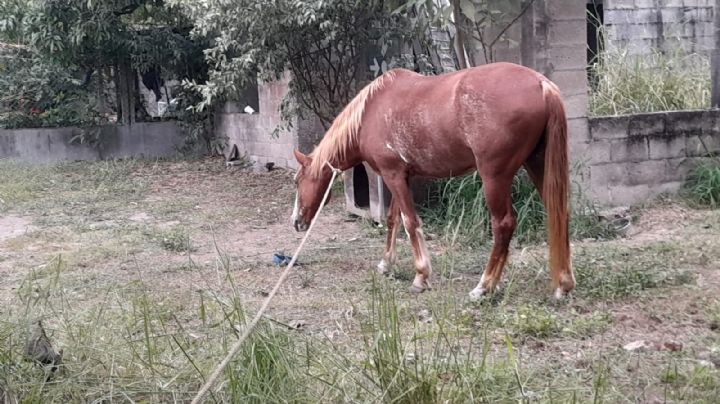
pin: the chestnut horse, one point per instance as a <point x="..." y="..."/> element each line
<point x="494" y="118"/>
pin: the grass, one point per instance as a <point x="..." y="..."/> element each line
<point x="138" y="321"/>
<point x="660" y="81"/>
<point x="459" y="210"/>
<point x="703" y="184"/>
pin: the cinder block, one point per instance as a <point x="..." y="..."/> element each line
<point x="645" y="172"/>
<point x="622" y="4"/>
<point x="619" y="17"/>
<point x="645" y="3"/>
<point x="678" y="169"/>
<point x="687" y="122"/>
<point x="609" y="127"/>
<point x="607" y="175"/>
<point x="702" y="145"/>
<point x="576" y="105"/>
<point x="671" y="14"/>
<point x="628" y="150"/>
<point x="566" y="9"/>
<point x="668" y="146"/>
<point x="571" y="81"/>
<point x="568" y="32"/>
<point x="578" y="130"/>
<point x="625" y="195"/>
<point x="568" y="56"/>
<point x="600" y="152"/>
<point x="647" y="124"/>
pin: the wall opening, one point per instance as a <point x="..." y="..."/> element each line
<point x="595" y="24"/>
<point x="361" y="187"/>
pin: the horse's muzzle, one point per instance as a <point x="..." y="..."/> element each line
<point x="300" y="225"/>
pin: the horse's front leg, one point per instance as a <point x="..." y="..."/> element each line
<point x="402" y="197"/>
<point x="388" y="259"/>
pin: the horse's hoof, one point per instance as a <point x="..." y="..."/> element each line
<point x="477" y="294"/>
<point x="415" y="290"/>
<point x="383" y="268"/>
<point x="560" y="294"/>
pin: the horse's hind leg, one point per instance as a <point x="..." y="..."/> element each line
<point x="398" y="185"/>
<point x="393" y="224"/>
<point x="497" y="196"/>
<point x="535" y="167"/>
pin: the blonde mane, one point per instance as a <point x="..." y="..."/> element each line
<point x="344" y="130"/>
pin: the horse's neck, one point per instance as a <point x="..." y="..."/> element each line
<point x="350" y="159"/>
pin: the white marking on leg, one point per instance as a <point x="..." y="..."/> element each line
<point x="424" y="254"/>
<point x="294" y="216"/>
<point x="405" y="226"/>
<point x="559" y="293"/>
<point x="383" y="267"/>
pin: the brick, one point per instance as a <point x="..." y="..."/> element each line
<point x="566" y="10"/>
<point x="580" y="152"/>
<point x="645" y="4"/>
<point x="615" y="17"/>
<point x="632" y="149"/>
<point x="607" y="175"/>
<point x="642" y="31"/>
<point x="571" y="81"/>
<point x="645" y="172"/>
<point x="666" y="147"/>
<point x="671" y="14"/>
<point x="696" y="144"/>
<point x="621" y="4"/>
<point x="647" y="124"/>
<point x="677" y="169"/>
<point x="576" y="105"/>
<point x="600" y="152"/>
<point x="609" y="127"/>
<point x="568" y="32"/>
<point x="624" y="195"/>
<point x="568" y="57"/>
<point x="686" y="122"/>
<point x="578" y="130"/>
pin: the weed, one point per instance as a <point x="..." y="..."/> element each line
<point x="458" y="210"/>
<point x="703" y="184"/>
<point x="660" y="81"/>
<point x="175" y="239"/>
<point x="535" y="321"/>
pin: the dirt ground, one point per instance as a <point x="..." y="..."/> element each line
<point x="182" y="227"/>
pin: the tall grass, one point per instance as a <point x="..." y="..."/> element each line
<point x="458" y="207"/>
<point x="660" y="81"/>
<point x="703" y="184"/>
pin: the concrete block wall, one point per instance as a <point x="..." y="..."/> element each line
<point x="554" y="42"/>
<point x="637" y="157"/>
<point x="253" y="133"/>
<point x="641" y="25"/>
<point x="46" y="145"/>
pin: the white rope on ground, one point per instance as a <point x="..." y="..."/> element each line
<point x="250" y="327"/>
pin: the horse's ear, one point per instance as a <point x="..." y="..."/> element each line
<point x="301" y="158"/>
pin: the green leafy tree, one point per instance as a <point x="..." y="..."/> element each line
<point x="118" y="37"/>
<point x="328" y="46"/>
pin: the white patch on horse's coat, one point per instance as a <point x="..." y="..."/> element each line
<point x="296" y="209"/>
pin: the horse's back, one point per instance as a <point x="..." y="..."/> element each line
<point x="457" y="119"/>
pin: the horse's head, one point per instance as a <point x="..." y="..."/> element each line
<point x="310" y="191"/>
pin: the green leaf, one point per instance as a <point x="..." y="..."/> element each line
<point x="467" y="7"/>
